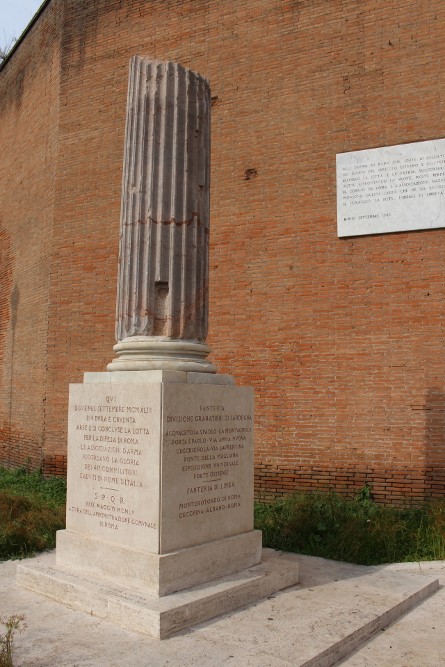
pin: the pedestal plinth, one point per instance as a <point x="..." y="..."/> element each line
<point x="160" y="500"/>
<point x="156" y="469"/>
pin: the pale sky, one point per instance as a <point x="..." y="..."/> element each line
<point x="14" y="17"/>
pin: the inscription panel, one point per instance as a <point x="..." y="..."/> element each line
<point x="391" y="189"/>
<point x="207" y="464"/>
<point x="113" y="463"/>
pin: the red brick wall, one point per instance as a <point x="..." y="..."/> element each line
<point x="341" y="338"/>
<point x="393" y="485"/>
<point x="29" y="91"/>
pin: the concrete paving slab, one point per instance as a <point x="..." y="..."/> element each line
<point x="415" y="640"/>
<point x="293" y="627"/>
<point x="337" y="607"/>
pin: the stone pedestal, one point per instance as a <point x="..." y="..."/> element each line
<point x="159" y="476"/>
<point x="160" y="500"/>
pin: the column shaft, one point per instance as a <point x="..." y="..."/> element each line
<point x="164" y="235"/>
<point x="163" y="269"/>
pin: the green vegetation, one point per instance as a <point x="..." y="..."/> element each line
<point x="12" y="624"/>
<point x="32" y="509"/>
<point x="354" y="530"/>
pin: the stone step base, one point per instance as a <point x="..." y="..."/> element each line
<point x="341" y="606"/>
<point x="156" y="574"/>
<point x="332" y="612"/>
<point x="160" y="617"/>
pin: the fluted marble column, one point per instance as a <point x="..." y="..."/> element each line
<point x="162" y="296"/>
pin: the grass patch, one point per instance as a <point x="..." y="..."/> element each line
<point x="357" y="530"/>
<point x="353" y="530"/>
<point x="32" y="509"/>
<point x="19" y="481"/>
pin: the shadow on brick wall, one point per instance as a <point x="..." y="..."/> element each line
<point x="435" y="443"/>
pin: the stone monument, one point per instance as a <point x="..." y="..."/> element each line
<point x="159" y="532"/>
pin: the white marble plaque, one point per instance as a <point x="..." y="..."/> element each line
<point x="391" y="189"/>
<point x="113" y="463"/>
<point x="207" y="464"/>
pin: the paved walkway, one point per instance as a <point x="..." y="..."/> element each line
<point x="418" y="638"/>
<point x="287" y="629"/>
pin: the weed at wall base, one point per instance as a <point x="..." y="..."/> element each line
<point x="13" y="623"/>
<point x="31" y="511"/>
<point x="354" y="530"/>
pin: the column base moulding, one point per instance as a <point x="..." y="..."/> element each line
<point x="146" y="353"/>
